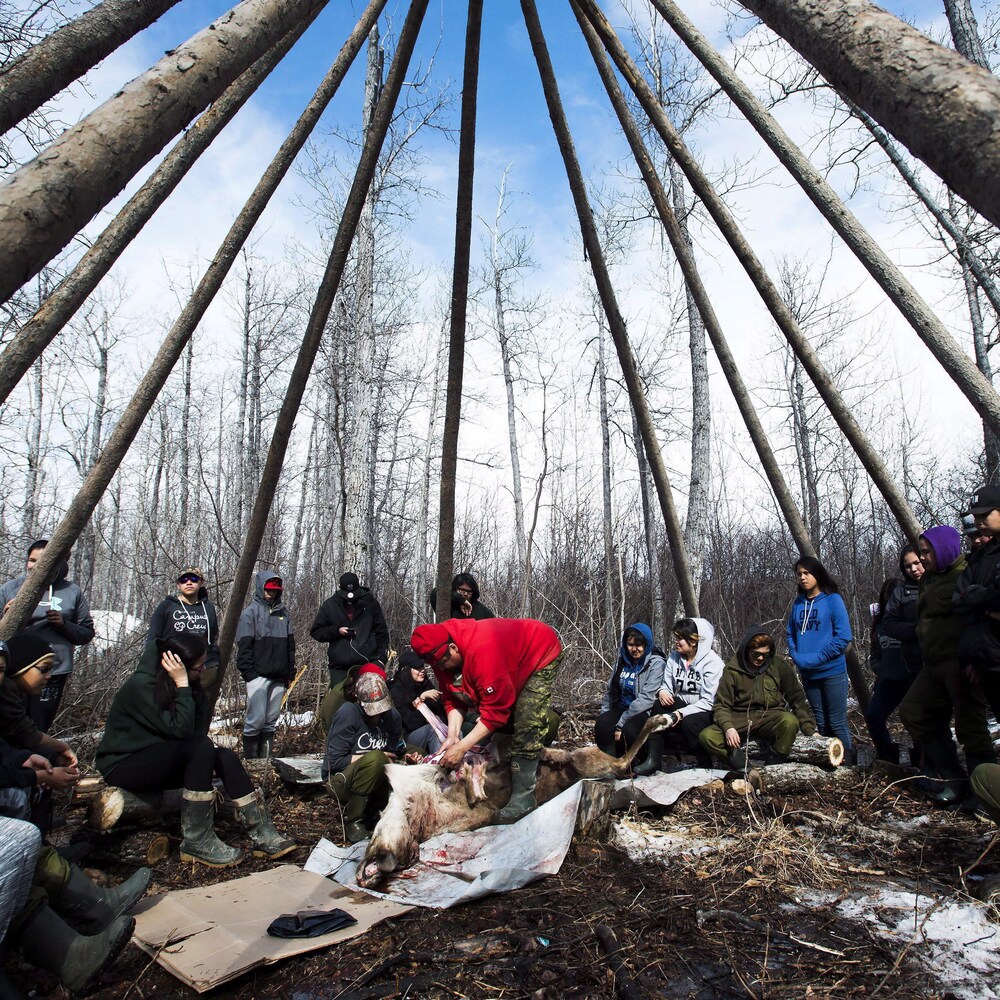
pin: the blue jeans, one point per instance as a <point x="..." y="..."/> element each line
<point x="828" y="701"/>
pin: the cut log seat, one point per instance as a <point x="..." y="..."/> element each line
<point x="821" y="751"/>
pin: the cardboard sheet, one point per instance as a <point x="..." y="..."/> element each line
<point x="455" y="868"/>
<point x="212" y="934"/>
<point x="662" y="789"/>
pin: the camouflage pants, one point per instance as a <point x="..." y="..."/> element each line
<point x="362" y="787"/>
<point x="49" y="879"/>
<point x="532" y="712"/>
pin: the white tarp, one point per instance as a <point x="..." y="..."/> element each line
<point x="458" y="867"/>
<point x="662" y="789"/>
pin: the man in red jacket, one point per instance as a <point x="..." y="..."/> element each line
<point x="505" y="669"/>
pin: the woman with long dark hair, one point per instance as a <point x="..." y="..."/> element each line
<point x="156" y="738"/>
<point x="818" y="632"/>
<point x="895" y="651"/>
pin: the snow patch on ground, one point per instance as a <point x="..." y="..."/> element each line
<point x="954" y="940"/>
<point x="641" y="843"/>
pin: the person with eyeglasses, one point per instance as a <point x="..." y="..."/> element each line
<point x="190" y="612"/>
<point x="760" y="697"/>
<point x="29" y="662"/>
<point x="62" y="619"/>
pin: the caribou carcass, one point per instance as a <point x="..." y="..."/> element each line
<point x="425" y="802"/>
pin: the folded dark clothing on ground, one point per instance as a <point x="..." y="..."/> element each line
<point x="310" y="923"/>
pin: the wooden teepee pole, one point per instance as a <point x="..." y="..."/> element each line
<point x="374" y="138"/>
<point x="96" y="482"/>
<point x="49" y="200"/>
<point x="65" y="55"/>
<point x="58" y="309"/>
<point x="943" y="108"/>
<point x="459" y="308"/>
<point x="689" y="267"/>
<point x="757" y="273"/>
<point x="616" y="322"/>
<point x="918" y="313"/>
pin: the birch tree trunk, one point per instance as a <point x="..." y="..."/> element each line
<point x="944" y="110"/>
<point x="34" y="453"/>
<point x="965" y="31"/>
<point x="185" y="444"/>
<point x="608" y="576"/>
<point x="359" y="442"/>
<point x="55" y="62"/>
<point x="659" y="614"/>
<point x="50" y="199"/>
<point x="696" y="524"/>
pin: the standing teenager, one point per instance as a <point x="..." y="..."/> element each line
<point x="818" y="632"/>
<point x="188" y="611"/>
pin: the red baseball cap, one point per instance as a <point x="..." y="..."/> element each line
<point x="429" y="642"/>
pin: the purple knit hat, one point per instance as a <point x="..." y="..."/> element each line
<point x="946" y="543"/>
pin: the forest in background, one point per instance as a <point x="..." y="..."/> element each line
<point x="557" y="517"/>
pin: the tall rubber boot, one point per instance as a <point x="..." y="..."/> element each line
<point x="654" y="757"/>
<point x="267" y="842"/>
<point x="523" y="771"/>
<point x="737" y="759"/>
<point x="89" y="908"/>
<point x="198" y="826"/>
<point x="251" y="747"/>
<point x="49" y="943"/>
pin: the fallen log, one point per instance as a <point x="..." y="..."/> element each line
<point x="138" y="847"/>
<point x="822" y="751"/>
<point x="112" y="807"/>
<point x="791" y="779"/>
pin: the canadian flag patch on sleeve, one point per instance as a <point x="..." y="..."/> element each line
<point x="489" y="690"/>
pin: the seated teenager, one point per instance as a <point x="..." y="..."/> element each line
<point x="760" y="697"/>
<point x="366" y="734"/>
<point x="631" y="693"/>
<point x="688" y="693"/>
<point x="156" y="738"/>
<point x="410" y="688"/>
<point x="29" y="660"/>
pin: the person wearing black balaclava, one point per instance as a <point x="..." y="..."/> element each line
<point x="353" y="626"/>
<point x="62" y="619"/>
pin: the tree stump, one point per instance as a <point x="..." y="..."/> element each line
<point x="821" y="751"/>
<point x="593" y="820"/>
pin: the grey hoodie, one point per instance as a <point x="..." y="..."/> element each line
<point x="265" y="641"/>
<point x="696" y="682"/>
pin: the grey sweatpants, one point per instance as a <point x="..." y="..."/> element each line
<point x="21" y="842"/>
<point x="263" y="705"/>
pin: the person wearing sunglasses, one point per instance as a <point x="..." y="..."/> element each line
<point x="188" y="612"/>
<point x="760" y="697"/>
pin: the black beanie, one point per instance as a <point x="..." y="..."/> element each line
<point x="24" y="651"/>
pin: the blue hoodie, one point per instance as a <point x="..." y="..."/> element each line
<point x="634" y="685"/>
<point x="818" y="632"/>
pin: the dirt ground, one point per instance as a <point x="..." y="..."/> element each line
<point x="747" y="901"/>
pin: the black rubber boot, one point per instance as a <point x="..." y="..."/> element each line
<point x="49" y="943"/>
<point x="89" y="908"/>
<point x="251" y="747"/>
<point x="941" y="758"/>
<point x="523" y="771"/>
<point x="198" y="826"/>
<point x="267" y="842"/>
<point x="738" y="759"/>
<point x="654" y="757"/>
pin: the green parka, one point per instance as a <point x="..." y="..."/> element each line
<point x="745" y="693"/>
<point x="135" y="722"/>
<point x="938" y="626"/>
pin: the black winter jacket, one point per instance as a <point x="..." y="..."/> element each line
<point x="977" y="592"/>
<point x="900" y="622"/>
<point x="12" y="774"/>
<point x="364" y="615"/>
<point x="265" y="640"/>
<point x="404" y="691"/>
